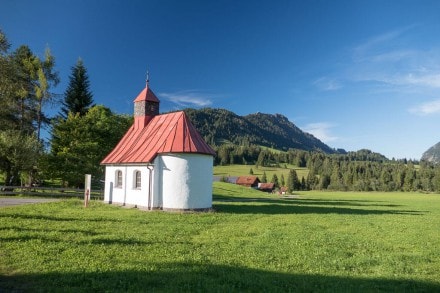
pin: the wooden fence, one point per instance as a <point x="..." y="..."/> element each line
<point x="49" y="192"/>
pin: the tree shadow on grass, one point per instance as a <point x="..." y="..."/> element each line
<point x="43" y="230"/>
<point x="191" y="277"/>
<point x="55" y="218"/>
<point x="285" y="200"/>
<point x="246" y="205"/>
<point x="102" y="240"/>
<point x="276" y="209"/>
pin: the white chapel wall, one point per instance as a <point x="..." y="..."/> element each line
<point x="127" y="193"/>
<point x="185" y="180"/>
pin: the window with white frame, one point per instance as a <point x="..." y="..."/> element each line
<point x="137" y="180"/>
<point x="118" y="178"/>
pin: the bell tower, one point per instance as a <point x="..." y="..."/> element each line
<point x="146" y="106"/>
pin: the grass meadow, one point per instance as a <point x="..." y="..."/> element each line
<point x="312" y="241"/>
<point x="243" y="170"/>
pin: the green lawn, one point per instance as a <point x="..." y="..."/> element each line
<point x="313" y="241"/>
<point x="243" y="170"/>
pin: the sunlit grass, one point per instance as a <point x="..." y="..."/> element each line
<point x="244" y="170"/>
<point x="315" y="241"/>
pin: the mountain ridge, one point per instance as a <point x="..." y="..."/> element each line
<point x="432" y="154"/>
<point x="218" y="126"/>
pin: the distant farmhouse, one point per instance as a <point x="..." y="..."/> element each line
<point x="248" y="181"/>
<point x="267" y="187"/>
<point x="162" y="162"/>
<point x="254" y="182"/>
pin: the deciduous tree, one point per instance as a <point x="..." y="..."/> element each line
<point x="19" y="155"/>
<point x="33" y="78"/>
<point x="79" y="143"/>
<point x="25" y="81"/>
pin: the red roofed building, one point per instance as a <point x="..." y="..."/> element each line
<point x="248" y="181"/>
<point x="162" y="162"/>
<point x="267" y="187"/>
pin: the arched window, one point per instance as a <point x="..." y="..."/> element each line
<point x="137" y="180"/>
<point x="118" y="178"/>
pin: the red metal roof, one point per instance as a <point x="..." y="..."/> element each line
<point x="266" y="186"/>
<point x="147" y="95"/>
<point x="247" y="180"/>
<point x="166" y="133"/>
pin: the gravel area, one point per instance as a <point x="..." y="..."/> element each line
<point x="14" y="201"/>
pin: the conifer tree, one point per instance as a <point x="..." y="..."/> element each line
<point x="77" y="98"/>
<point x="275" y="180"/>
<point x="264" y="177"/>
<point x="293" y="181"/>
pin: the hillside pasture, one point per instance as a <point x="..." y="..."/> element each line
<point x="311" y="241"/>
<point x="243" y="170"/>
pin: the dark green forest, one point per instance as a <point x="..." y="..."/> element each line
<point x="362" y="170"/>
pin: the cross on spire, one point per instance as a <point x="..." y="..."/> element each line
<point x="148" y="78"/>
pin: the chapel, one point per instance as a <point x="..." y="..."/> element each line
<point x="161" y="162"/>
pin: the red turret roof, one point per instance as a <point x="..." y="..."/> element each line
<point x="146" y="95"/>
<point x="166" y="133"/>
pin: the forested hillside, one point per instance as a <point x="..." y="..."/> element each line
<point x="219" y="126"/>
<point x="362" y="170"/>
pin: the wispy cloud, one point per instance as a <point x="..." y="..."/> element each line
<point x="369" y="47"/>
<point x="387" y="61"/>
<point x="392" y="62"/>
<point x="428" y="108"/>
<point x="321" y="130"/>
<point x="424" y="79"/>
<point x="392" y="56"/>
<point x="412" y="79"/>
<point x="327" y="84"/>
<point x="188" y="98"/>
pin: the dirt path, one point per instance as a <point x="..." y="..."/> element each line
<point x="14" y="201"/>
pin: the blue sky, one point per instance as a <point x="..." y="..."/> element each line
<point x="356" y="74"/>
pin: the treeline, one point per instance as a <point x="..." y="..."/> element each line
<point x="363" y="170"/>
<point x="25" y="88"/>
<point x="339" y="173"/>
<point x="229" y="154"/>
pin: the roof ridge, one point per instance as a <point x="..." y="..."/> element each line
<point x="156" y="127"/>
<point x="160" y="147"/>
<point x="148" y="96"/>
<point x="135" y="146"/>
<point x="165" y="133"/>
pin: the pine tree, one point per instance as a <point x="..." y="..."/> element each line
<point x="275" y="181"/>
<point x="77" y="97"/>
<point x="264" y="178"/>
<point x="293" y="181"/>
<point x="303" y="184"/>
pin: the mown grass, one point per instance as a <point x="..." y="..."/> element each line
<point x="243" y="170"/>
<point x="252" y="242"/>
